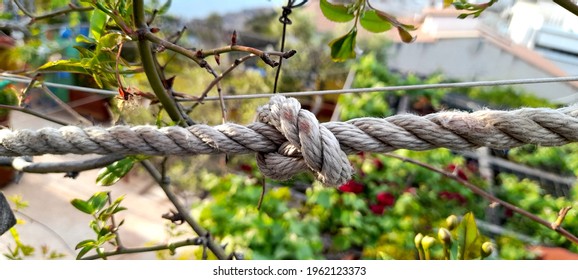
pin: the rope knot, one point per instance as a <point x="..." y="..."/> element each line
<point x="309" y="146"/>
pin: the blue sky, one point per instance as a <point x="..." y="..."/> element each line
<point x="202" y="8"/>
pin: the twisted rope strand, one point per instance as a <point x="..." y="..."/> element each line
<point x="289" y="140"/>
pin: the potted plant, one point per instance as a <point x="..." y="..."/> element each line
<point x="8" y="96"/>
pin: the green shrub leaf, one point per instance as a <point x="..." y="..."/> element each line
<point x="335" y="12"/>
<point x="370" y="21"/>
<point x="97" y="23"/>
<point x="98" y="201"/>
<point x="112" y="173"/>
<point x="469" y="238"/>
<point x="82" y="206"/>
<point x="343" y="48"/>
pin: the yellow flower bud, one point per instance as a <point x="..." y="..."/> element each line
<point x="417" y="240"/>
<point x="427" y="242"/>
<point x="452" y="222"/>
<point x="487" y="249"/>
<point x="445" y="236"/>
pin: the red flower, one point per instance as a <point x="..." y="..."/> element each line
<point x="457" y="171"/>
<point x="378" y="164"/>
<point x="246" y="168"/>
<point x="452" y="196"/>
<point x="352" y="187"/>
<point x="377" y="209"/>
<point x="385" y="199"/>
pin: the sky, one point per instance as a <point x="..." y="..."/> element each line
<point x="202" y="8"/>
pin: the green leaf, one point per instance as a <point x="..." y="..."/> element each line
<point x="110" y="41"/>
<point x="84" y="251"/>
<point x="97" y="23"/>
<point x="335" y="12"/>
<point x="82" y="206"/>
<point x="343" y="48"/>
<point x="373" y="23"/>
<point x="84" y="243"/>
<point x="98" y="201"/>
<point x="164" y="8"/>
<point x="469" y="238"/>
<point x="71" y="66"/>
<point x="448" y="3"/>
<point x="402" y="29"/>
<point x="83" y="39"/>
<point x="112" y="173"/>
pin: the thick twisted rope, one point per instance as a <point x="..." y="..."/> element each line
<point x="289" y="140"/>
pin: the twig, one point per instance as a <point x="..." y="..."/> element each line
<point x="63" y="11"/>
<point x="152" y="17"/>
<point x="34" y="113"/>
<point x="214" y="247"/>
<point x="489" y="197"/>
<point x="265" y="56"/>
<point x="561" y="216"/>
<point x="177" y="36"/>
<point x="568" y="5"/>
<point x="23" y="165"/>
<point x="216" y="81"/>
<point x="171" y="246"/>
<point x="263" y="190"/>
<point x="114" y="226"/>
<point x="65" y="106"/>
<point x="199" y="55"/>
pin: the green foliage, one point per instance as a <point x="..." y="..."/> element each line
<point x="335" y="12"/>
<point x="101" y="224"/>
<point x="8" y="96"/>
<point x="109" y="175"/>
<point x="370" y="72"/>
<point x="98" y="21"/>
<point x="508" y="97"/>
<point x="376" y="216"/>
<point x="370" y="19"/>
<point x="343" y="48"/>
<point x="531" y="197"/>
<point x="469" y="239"/>
<point x="474" y="10"/>
<point x="276" y="231"/>
<point x="525" y="193"/>
<point x="463" y="242"/>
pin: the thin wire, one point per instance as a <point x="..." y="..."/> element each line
<point x="329" y="92"/>
<point x="396" y="88"/>
<point x="25" y="80"/>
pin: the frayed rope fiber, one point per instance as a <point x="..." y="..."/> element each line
<point x="289" y="140"/>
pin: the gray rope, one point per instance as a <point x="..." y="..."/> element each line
<point x="289" y="140"/>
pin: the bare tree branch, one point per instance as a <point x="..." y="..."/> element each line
<point x="23" y="165"/>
